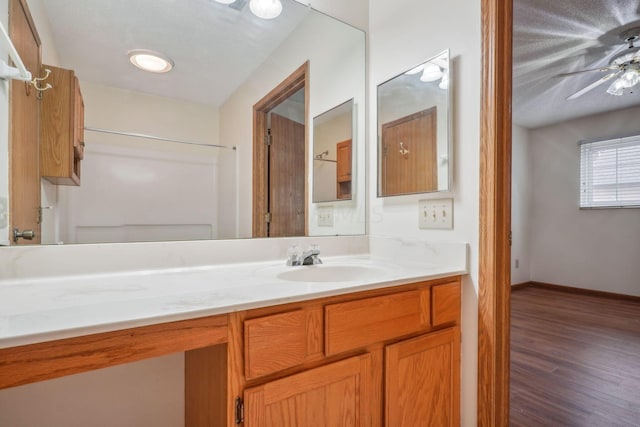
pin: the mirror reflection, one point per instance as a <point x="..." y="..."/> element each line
<point x="168" y="155"/>
<point x="413" y="129"/>
<point x="333" y="154"/>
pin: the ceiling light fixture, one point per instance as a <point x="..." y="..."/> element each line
<point x="266" y="9"/>
<point x="148" y="60"/>
<point x="431" y="73"/>
<point x="628" y="79"/>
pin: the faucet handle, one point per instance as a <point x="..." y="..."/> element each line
<point x="294" y="252"/>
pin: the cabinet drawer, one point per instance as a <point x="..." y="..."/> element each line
<point x="273" y="343"/>
<point x="355" y="324"/>
<point x="445" y="302"/>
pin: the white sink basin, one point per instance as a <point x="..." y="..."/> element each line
<point x="331" y="273"/>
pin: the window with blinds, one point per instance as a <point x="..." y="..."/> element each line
<point x="610" y="173"/>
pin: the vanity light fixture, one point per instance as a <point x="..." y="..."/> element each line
<point x="148" y="60"/>
<point x="266" y="9"/>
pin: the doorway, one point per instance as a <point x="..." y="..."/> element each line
<point x="280" y="141"/>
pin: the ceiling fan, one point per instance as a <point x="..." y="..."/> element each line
<point x="623" y="69"/>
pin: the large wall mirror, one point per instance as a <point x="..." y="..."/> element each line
<point x="414" y="129"/>
<point x="195" y="181"/>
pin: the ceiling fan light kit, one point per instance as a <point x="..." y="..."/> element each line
<point x="623" y="67"/>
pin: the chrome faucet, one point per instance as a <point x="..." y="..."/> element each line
<point x="295" y="256"/>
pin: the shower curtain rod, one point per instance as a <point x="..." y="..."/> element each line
<point x="157" y="138"/>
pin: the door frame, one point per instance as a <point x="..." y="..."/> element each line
<point x="495" y="214"/>
<point x="297" y="80"/>
<point x="16" y="162"/>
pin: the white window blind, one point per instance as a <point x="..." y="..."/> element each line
<point x="610" y="173"/>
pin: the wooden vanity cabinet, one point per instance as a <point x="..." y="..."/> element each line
<point x="61" y="128"/>
<point x="337" y="394"/>
<point x="422" y="377"/>
<point x="384" y="357"/>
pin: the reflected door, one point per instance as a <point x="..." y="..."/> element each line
<point x="409" y="149"/>
<point x="286" y="178"/>
<point x="24" y="166"/>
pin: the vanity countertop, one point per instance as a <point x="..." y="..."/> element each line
<point x="46" y="309"/>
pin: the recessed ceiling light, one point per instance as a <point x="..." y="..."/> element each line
<point x="148" y="60"/>
<point x="266" y="9"/>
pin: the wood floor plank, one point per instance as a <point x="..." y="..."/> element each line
<point x="575" y="360"/>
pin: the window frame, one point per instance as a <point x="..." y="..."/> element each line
<point x="586" y="150"/>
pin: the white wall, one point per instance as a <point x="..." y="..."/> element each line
<point x="133" y="181"/>
<point x="593" y="249"/>
<point x="404" y="33"/>
<point x="335" y="76"/>
<point x="521" y="186"/>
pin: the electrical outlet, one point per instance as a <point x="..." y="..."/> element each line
<point x="437" y="213"/>
<point x="4" y="214"/>
<point x="325" y="216"/>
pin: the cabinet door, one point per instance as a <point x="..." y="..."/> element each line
<point x="422" y="380"/>
<point x="343" y="161"/>
<point x="341" y="394"/>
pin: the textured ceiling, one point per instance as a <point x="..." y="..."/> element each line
<point x="553" y="37"/>
<point x="215" y="47"/>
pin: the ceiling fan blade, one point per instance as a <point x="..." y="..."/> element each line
<point x="601" y="69"/>
<point x="592" y="86"/>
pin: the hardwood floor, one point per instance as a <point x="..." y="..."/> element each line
<point x="575" y="360"/>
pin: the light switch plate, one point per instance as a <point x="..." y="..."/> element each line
<point x="435" y="214"/>
<point x="325" y="216"/>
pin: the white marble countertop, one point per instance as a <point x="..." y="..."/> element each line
<point x="45" y="309"/>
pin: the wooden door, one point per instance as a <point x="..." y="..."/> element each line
<point x="336" y="395"/>
<point x="24" y="167"/>
<point x="343" y="169"/>
<point x="409" y="154"/>
<point x="422" y="381"/>
<point x="286" y="178"/>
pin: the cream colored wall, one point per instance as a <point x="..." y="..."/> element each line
<point x="325" y="138"/>
<point x="594" y="249"/>
<point x="521" y="208"/>
<point x="404" y="33"/>
<point x="147" y="393"/>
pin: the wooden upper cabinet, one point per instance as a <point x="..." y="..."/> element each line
<point x="62" y="128"/>
<point x="343" y="169"/>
